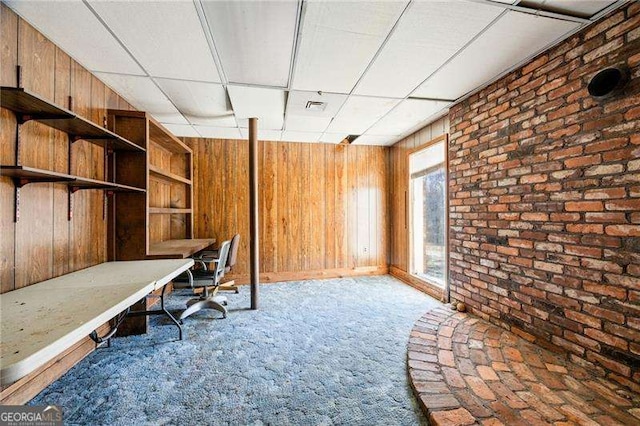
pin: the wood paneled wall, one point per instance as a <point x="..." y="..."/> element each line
<point x="399" y="184"/>
<point x="324" y="208"/>
<point x="44" y="243"/>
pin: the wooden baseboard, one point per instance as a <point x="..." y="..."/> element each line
<point x="416" y="283"/>
<point x="273" y="277"/>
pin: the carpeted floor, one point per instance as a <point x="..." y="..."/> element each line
<point x="317" y="352"/>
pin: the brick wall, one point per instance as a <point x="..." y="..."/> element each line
<point x="545" y="201"/>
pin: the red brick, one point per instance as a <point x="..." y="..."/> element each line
<point x="623" y="205"/>
<point x="585" y="228"/>
<point x="586" y="160"/>
<point x="604" y="194"/>
<point x="584" y="206"/>
<point x="534" y="178"/>
<point x="623" y="230"/>
<point x="534" y="216"/>
<point x="459" y="416"/>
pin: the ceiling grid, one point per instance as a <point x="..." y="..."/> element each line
<point x="378" y="69"/>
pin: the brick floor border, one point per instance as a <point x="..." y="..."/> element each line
<point x="465" y="371"/>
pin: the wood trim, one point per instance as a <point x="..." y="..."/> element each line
<point x="423" y="286"/>
<point x="446" y="219"/>
<point x="168" y="210"/>
<point x="440" y="138"/>
<point x="419" y="282"/>
<point x="273" y="277"/>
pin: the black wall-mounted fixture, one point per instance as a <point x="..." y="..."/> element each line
<point x="608" y="82"/>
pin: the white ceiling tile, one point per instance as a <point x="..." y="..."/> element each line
<point x="297" y="102"/>
<point x="182" y="130"/>
<point x="333" y="137"/>
<point x="166" y="37"/>
<point x="220" y="120"/>
<point x="201" y="103"/>
<point x="338" y="40"/>
<point x="73" y="27"/>
<point x="264" y="123"/>
<point x="263" y="135"/>
<point x="309" y="124"/>
<point x="408" y="115"/>
<point x="513" y="38"/>
<point x="254" y="39"/>
<point x="172" y="118"/>
<point x="218" y="132"/>
<point x="379" y="140"/>
<point x="295" y="136"/>
<point x="428" y="34"/>
<point x="581" y="8"/>
<point x="141" y="92"/>
<point x="265" y="104"/>
<point x="359" y="113"/>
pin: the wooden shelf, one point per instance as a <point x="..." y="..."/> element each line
<point x="157" y="172"/>
<point x="29" y="106"/>
<point x="174" y="249"/>
<point x="23" y="175"/>
<point x="161" y="136"/>
<point x="168" y="210"/>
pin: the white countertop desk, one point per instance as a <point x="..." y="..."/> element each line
<point x="42" y="320"/>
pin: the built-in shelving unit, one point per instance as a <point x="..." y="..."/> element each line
<point x="162" y="219"/>
<point x="28" y="106"/>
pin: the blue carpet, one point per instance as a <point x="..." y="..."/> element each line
<point x="319" y="352"/>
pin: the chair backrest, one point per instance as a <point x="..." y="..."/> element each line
<point x="233" y="252"/>
<point x="223" y="255"/>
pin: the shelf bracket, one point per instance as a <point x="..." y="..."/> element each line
<point x="16" y="204"/>
<point x="18" y="184"/>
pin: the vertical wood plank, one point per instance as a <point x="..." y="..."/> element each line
<point x="294" y="258"/>
<point x="241" y="203"/>
<point x="34" y="231"/>
<point x="341" y="207"/>
<point x="330" y="191"/>
<point x="306" y="212"/>
<point x="269" y="197"/>
<point x="283" y="207"/>
<point x="8" y="62"/>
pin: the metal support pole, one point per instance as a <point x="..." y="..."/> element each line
<point x="253" y="211"/>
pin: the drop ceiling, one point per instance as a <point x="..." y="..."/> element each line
<point x="375" y="70"/>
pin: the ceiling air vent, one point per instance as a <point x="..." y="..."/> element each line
<point x="316" y="106"/>
<point x="349" y="139"/>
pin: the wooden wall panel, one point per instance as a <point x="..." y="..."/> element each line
<point x="44" y="243"/>
<point x="323" y="206"/>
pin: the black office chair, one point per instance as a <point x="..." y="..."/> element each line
<point x="205" y="258"/>
<point x="209" y="281"/>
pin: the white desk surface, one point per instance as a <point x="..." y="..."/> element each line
<point x="42" y="320"/>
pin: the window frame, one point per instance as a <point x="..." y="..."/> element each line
<point x="436" y="290"/>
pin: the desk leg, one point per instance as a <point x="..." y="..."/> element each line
<point x="161" y="311"/>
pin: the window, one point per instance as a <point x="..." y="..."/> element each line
<point x="427" y="210"/>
